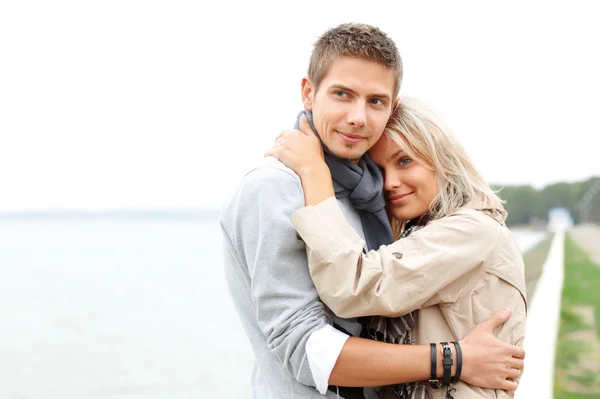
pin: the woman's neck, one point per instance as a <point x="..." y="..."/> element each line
<point x="418" y="221"/>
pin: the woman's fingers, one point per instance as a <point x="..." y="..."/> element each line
<point x="283" y="134"/>
<point x="305" y="126"/>
<point x="307" y="130"/>
<point x="297" y="147"/>
<point x="291" y="139"/>
<point x="274" y="151"/>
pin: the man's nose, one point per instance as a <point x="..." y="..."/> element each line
<point x="357" y="115"/>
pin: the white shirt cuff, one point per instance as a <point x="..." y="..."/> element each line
<point x="322" y="349"/>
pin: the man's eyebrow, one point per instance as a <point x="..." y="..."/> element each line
<point x="395" y="155"/>
<point x="381" y="96"/>
<point x="342" y="88"/>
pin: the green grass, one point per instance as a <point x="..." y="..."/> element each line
<point x="582" y="282"/>
<point x="571" y="395"/>
<point x="581" y="289"/>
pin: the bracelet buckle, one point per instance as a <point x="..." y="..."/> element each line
<point x="447" y="364"/>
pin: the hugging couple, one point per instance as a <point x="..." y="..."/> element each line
<point x="366" y="256"/>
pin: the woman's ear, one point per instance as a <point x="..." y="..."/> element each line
<point x="308" y="93"/>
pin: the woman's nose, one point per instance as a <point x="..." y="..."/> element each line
<point x="392" y="182"/>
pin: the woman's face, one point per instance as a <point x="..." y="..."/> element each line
<point x="409" y="187"/>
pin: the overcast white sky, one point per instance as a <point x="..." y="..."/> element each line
<point x="165" y="104"/>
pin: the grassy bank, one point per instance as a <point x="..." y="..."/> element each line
<point x="534" y="261"/>
<point x="578" y="349"/>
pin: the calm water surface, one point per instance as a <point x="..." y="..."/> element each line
<point x="120" y="308"/>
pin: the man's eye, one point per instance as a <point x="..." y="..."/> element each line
<point x="376" y="101"/>
<point x="340" y="93"/>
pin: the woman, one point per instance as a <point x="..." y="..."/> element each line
<point x="453" y="263"/>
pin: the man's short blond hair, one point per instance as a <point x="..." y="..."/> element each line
<point x="355" y="40"/>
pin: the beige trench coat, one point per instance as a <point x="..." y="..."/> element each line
<point x="458" y="270"/>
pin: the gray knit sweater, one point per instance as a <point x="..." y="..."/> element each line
<point x="269" y="281"/>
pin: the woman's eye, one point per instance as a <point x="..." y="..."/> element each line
<point x="404" y="161"/>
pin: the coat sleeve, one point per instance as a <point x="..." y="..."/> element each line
<point x="428" y="267"/>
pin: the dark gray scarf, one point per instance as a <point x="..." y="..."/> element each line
<point x="398" y="330"/>
<point x="363" y="185"/>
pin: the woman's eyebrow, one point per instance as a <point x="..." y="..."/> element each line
<point x="394" y="155"/>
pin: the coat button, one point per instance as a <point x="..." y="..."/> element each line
<point x="397" y="255"/>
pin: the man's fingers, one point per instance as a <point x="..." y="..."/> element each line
<point x="509" y="385"/>
<point x="517" y="352"/>
<point x="514" y="373"/>
<point x="516" y="363"/>
<point x="496" y="320"/>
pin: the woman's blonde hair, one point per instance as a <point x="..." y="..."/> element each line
<point x="418" y="131"/>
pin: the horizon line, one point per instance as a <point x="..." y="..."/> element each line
<point x="201" y="213"/>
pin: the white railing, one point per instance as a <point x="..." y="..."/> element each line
<point x="543" y="322"/>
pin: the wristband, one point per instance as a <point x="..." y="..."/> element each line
<point x="447" y="363"/>
<point x="456" y="378"/>
<point x="433" y="380"/>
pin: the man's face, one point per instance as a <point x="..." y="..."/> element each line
<point x="352" y="105"/>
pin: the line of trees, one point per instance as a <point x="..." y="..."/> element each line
<point x="527" y="205"/>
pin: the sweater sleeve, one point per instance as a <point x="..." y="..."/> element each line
<point x="426" y="268"/>
<point x="287" y="306"/>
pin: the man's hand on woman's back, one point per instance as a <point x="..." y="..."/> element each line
<point x="489" y="362"/>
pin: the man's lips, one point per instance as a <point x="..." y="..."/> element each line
<point x="350" y="138"/>
<point x="398" y="199"/>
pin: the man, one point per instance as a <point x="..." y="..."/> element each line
<point x="354" y="77"/>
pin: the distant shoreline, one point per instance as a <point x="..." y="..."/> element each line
<point x="192" y="214"/>
<point x="198" y="214"/>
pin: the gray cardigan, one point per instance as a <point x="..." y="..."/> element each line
<point x="269" y="282"/>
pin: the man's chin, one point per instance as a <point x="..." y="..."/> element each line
<point x="352" y="154"/>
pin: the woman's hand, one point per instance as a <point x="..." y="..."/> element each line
<point x="300" y="150"/>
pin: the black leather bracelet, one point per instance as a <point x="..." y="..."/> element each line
<point x="456" y="378"/>
<point x="433" y="380"/>
<point x="447" y="363"/>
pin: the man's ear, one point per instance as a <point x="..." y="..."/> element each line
<point x="308" y="92"/>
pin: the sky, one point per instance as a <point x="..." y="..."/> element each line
<point x="166" y="104"/>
